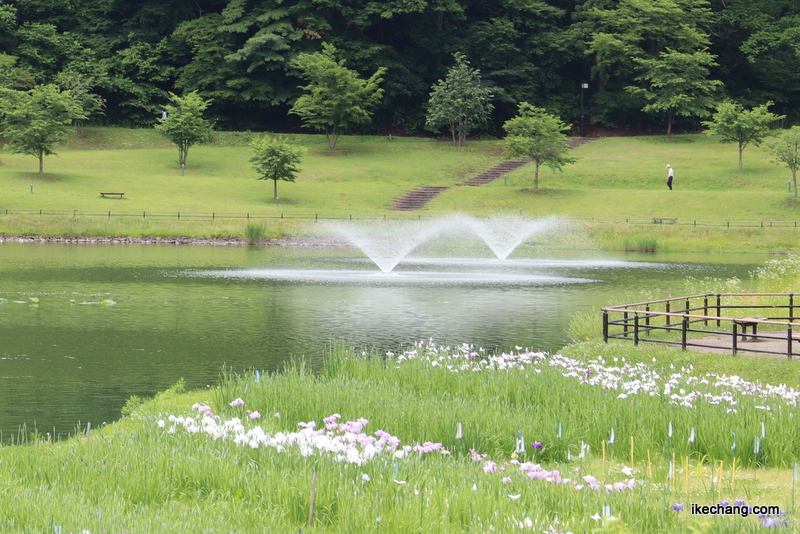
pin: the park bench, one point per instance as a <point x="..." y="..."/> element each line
<point x="752" y="322"/>
<point x="104" y="195"/>
<point x="661" y="220"/>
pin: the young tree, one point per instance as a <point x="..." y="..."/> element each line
<point x="35" y="121"/>
<point x="185" y="125"/>
<point x="274" y="158"/>
<point x="786" y="149"/>
<point x="538" y="135"/>
<point x="676" y="83"/>
<point x="734" y="124"/>
<point x="335" y="96"/>
<point x="460" y="101"/>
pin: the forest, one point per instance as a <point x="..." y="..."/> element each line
<point x="606" y="57"/>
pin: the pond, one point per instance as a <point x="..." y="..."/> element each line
<point x="84" y="327"/>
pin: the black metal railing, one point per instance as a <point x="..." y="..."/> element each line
<point x="688" y="321"/>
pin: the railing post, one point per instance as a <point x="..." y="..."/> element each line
<point x="791" y="306"/>
<point x="719" y="307"/>
<point x="684" y="329"/>
<point x="647" y="317"/>
<point x="605" y="326"/>
<point x="734" y="344"/>
<point x="789" y="343"/>
<point x="705" y="309"/>
<point x="667" y="316"/>
<point x="625" y="324"/>
<point x="635" y="329"/>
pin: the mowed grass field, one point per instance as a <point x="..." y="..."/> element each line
<point x="614" y="178"/>
<point x="363" y="176"/>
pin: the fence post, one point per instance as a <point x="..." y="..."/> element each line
<point x="625" y="324"/>
<point x="705" y="309"/>
<point x="734" y="345"/>
<point x="667" y="316"/>
<point x="647" y="317"/>
<point x="684" y="329"/>
<point x="109" y="214"/>
<point x="605" y="326"/>
<point x="791" y="306"/>
<point x="719" y="312"/>
<point x="635" y="329"/>
<point x="144" y="214"/>
<point x="789" y="343"/>
<point x="179" y="216"/>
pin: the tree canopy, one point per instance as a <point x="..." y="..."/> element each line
<point x="185" y="125"/>
<point x="734" y="124"/>
<point x="275" y="158"/>
<point x="36" y="120"/>
<point x="536" y="134"/>
<point x="460" y="101"/>
<point x="335" y="97"/>
<point x="240" y="55"/>
<point x="786" y="151"/>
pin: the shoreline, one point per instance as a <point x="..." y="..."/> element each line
<point x="311" y="242"/>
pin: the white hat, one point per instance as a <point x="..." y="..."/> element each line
<point x="668" y="166"/>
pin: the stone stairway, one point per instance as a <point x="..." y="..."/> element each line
<point x="419" y="198"/>
<point x="416" y="199"/>
<point x="496" y="172"/>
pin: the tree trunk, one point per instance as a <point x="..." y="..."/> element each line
<point x="669" y="126"/>
<point x="741" y="148"/>
<point x="794" y="180"/>
<point x="41" y="161"/>
<point x="536" y="177"/>
<point x="275" y="189"/>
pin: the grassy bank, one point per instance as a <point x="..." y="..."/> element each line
<point x="520" y="462"/>
<point x="619" y="178"/>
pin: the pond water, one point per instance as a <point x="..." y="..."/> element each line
<point x="175" y="312"/>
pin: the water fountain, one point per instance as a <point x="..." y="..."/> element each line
<point x="387" y="243"/>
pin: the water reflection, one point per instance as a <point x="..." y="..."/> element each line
<point x="183" y="312"/>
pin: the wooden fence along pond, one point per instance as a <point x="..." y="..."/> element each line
<point x="764" y="323"/>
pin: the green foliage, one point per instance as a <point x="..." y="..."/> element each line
<point x="677" y="83"/>
<point x="786" y="150"/>
<point x="131" y="405"/>
<point x="254" y="233"/>
<point x="275" y="158"/>
<point x="734" y="124"/>
<point x="624" y="34"/>
<point x="536" y="134"/>
<point x="336" y="97"/>
<point x="35" y="121"/>
<point x="460" y="101"/>
<point x="185" y="125"/>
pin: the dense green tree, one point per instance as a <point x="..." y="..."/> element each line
<point x="275" y="158"/>
<point x="335" y="97"/>
<point x="677" y="84"/>
<point x="185" y="125"/>
<point x="786" y="150"/>
<point x="460" y="101"/>
<point x="735" y="124"/>
<point x="35" y="121"/>
<point x="623" y="34"/>
<point x="81" y="87"/>
<point x="536" y="134"/>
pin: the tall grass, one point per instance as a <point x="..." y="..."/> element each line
<point x="136" y="476"/>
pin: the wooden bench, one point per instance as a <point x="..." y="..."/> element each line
<point x="752" y="322"/>
<point x="104" y="195"/>
<point x="660" y="220"/>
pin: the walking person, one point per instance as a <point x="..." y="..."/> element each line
<point x="670" y="175"/>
